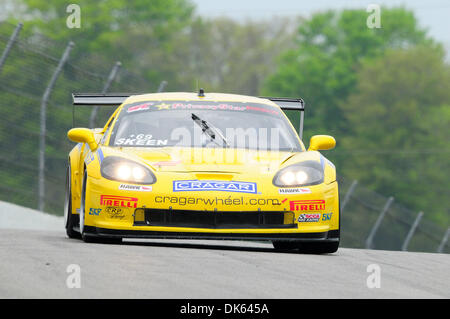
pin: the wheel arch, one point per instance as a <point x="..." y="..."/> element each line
<point x="76" y="165"/>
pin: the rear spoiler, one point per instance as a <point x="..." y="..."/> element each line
<point x="119" y="98"/>
<point x="290" y="104"/>
<point x="98" y="99"/>
<point x="286" y="103"/>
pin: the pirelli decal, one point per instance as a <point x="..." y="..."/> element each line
<point x="118" y="201"/>
<point x="307" y="205"/>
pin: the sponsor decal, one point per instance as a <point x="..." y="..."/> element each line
<point x="223" y="106"/>
<point x="222" y="186"/>
<point x="95" y="211"/>
<point x="310" y="205"/>
<point x="119" y="201"/>
<point x="163" y="106"/>
<point x="296" y="190"/>
<point x="261" y="109"/>
<point x="115" y="212"/>
<point x="326" y="217"/>
<point x="140" y="140"/>
<point x="214" y="202"/>
<point x="137" y="188"/>
<point x="308" y="218"/>
<point x="139" y="107"/>
<point x="203" y="106"/>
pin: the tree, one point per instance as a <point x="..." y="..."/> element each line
<point x="162" y="40"/>
<point x="224" y="55"/>
<point x="398" y="121"/>
<point x="330" y="47"/>
<point x="105" y="24"/>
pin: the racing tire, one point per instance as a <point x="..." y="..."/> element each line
<point x="284" y="245"/>
<point x="318" y="248"/>
<point x="70" y="221"/>
<point x="90" y="238"/>
<point x="307" y="248"/>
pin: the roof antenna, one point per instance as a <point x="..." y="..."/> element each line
<point x="201" y="93"/>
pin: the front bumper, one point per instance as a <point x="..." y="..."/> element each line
<point x="115" y="213"/>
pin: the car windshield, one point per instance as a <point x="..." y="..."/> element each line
<point x="204" y="124"/>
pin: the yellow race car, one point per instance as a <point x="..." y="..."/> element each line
<point x="201" y="166"/>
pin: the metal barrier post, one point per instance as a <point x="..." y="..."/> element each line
<point x="444" y="241"/>
<point x="369" y="241"/>
<point x="10" y="44"/>
<point x="162" y="86"/>
<point x="411" y="231"/>
<point x="350" y="191"/>
<point x="111" y="77"/>
<point x="45" y="98"/>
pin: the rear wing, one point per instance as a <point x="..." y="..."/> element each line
<point x="98" y="99"/>
<point x="291" y="104"/>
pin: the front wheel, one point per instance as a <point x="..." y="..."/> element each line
<point x="70" y="220"/>
<point x="319" y="247"/>
<point x="284" y="245"/>
<point x="307" y="247"/>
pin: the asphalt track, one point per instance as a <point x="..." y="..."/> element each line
<point x="34" y="264"/>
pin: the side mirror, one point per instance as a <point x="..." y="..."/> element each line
<point x="321" y="142"/>
<point x="83" y="135"/>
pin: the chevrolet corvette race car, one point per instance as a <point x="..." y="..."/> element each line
<point x="201" y="166"/>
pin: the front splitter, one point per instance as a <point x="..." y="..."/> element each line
<point x="328" y="236"/>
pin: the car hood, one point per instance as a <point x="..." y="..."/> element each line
<point x="219" y="160"/>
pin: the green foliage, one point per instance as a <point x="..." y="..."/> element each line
<point x="104" y="22"/>
<point x="162" y="40"/>
<point x="224" y="55"/>
<point x="329" y="50"/>
<point x="398" y="135"/>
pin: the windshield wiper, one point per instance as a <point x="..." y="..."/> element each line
<point x="209" y="129"/>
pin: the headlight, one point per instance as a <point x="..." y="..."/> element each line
<point x="123" y="170"/>
<point x="301" y="174"/>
